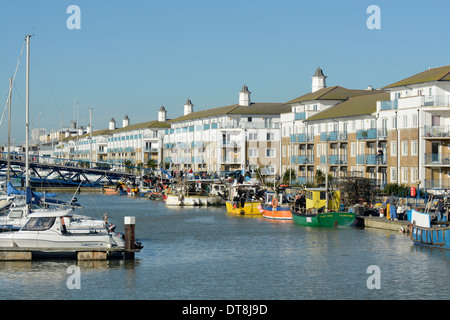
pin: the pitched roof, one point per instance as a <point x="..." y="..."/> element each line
<point x="355" y="106"/>
<point x="254" y="108"/>
<point x="435" y="74"/>
<point x="143" y="125"/>
<point x="332" y="93"/>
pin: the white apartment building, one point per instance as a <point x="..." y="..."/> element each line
<point x="235" y="137"/>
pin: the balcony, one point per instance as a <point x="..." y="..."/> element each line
<point x="333" y="136"/>
<point x="300" y="116"/>
<point x="437" y="159"/>
<point x="371" y="159"/>
<point x="302" y="159"/>
<point x="389" y="105"/>
<point x="371" y="134"/>
<point x="334" y="160"/>
<point x="436" y="131"/>
<point x="150" y="149"/>
<point x="301" y="137"/>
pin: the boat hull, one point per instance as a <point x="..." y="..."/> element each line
<point x="281" y="213"/>
<point x="329" y="219"/>
<point x="250" y="208"/>
<point x="174" y="200"/>
<point x="432" y="237"/>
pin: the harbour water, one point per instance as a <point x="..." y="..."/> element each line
<point x="206" y="254"/>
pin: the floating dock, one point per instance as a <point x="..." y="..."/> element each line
<point x="81" y="254"/>
<point x="382" y="223"/>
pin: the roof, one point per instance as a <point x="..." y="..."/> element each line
<point x="332" y="93"/>
<point x="319" y="73"/>
<point x="142" y="125"/>
<point x="354" y="106"/>
<point x="254" y="108"/>
<point x="430" y="75"/>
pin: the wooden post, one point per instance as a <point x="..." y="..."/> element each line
<point x="129" y="237"/>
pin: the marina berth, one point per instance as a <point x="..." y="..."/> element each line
<point x="56" y="233"/>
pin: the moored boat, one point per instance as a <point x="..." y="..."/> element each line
<point x="57" y="233"/>
<point x="276" y="207"/>
<point x="424" y="232"/>
<point x="245" y="200"/>
<point x="317" y="212"/>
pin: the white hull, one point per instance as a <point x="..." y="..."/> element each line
<point x="173" y="200"/>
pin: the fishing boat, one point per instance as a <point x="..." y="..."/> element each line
<point x="425" y="232"/>
<point x="56" y="233"/>
<point x="321" y="209"/>
<point x="276" y="207"/>
<point x="245" y="200"/>
<point x="192" y="194"/>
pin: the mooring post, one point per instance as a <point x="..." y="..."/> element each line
<point x="129" y="237"/>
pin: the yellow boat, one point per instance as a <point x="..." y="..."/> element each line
<point x="316" y="198"/>
<point x="250" y="208"/>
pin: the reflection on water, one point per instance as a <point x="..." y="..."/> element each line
<point x="204" y="253"/>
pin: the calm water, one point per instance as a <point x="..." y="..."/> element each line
<point x="204" y="253"/>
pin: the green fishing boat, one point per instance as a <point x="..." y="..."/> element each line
<point x="321" y="211"/>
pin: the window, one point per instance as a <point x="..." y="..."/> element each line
<point x="353" y="149"/>
<point x="393" y="148"/>
<point x="404" y="175"/>
<point x="414" y="148"/>
<point x="394" y="122"/>
<point x="270" y="136"/>
<point x="414" y="176"/>
<point x="39" y="224"/>
<point x="393" y="174"/>
<point x="253" y="153"/>
<point x="405" y="121"/>
<point x="270" y="153"/>
<point x="253" y="136"/>
<point x="271" y="169"/>
<point x="404" y="148"/>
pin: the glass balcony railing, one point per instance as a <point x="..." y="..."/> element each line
<point x="437" y="159"/>
<point x="371" y="159"/>
<point x="436" y="131"/>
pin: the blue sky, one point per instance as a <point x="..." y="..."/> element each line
<point x="132" y="57"/>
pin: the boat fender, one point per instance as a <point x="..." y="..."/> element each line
<point x="260" y="209"/>
<point x="63" y="226"/>
<point x="275" y="202"/>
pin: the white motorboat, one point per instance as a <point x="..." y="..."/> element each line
<point x="61" y="233"/>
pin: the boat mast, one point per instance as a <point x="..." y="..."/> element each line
<point x="90" y="138"/>
<point x="27" y="115"/>
<point x="9" y="131"/>
<point x="326" y="176"/>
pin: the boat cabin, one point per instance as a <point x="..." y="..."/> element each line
<point x="316" y="198"/>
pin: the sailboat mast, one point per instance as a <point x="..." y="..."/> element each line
<point x="9" y="131"/>
<point x="27" y="115"/>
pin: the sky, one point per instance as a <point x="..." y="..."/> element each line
<point x="132" y="57"/>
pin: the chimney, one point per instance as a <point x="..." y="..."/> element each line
<point x="244" y="97"/>
<point x="80" y="131"/>
<point x="318" y="80"/>
<point x="125" y="122"/>
<point x="112" y="124"/>
<point x="188" y="107"/>
<point x="162" y="114"/>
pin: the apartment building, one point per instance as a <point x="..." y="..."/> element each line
<point x="322" y="127"/>
<point x="234" y="137"/>
<point x="134" y="142"/>
<point x="417" y="115"/>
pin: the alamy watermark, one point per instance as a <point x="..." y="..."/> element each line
<point x="74" y="280"/>
<point x="374" y="20"/>
<point x="374" y="280"/>
<point x="74" y="20"/>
